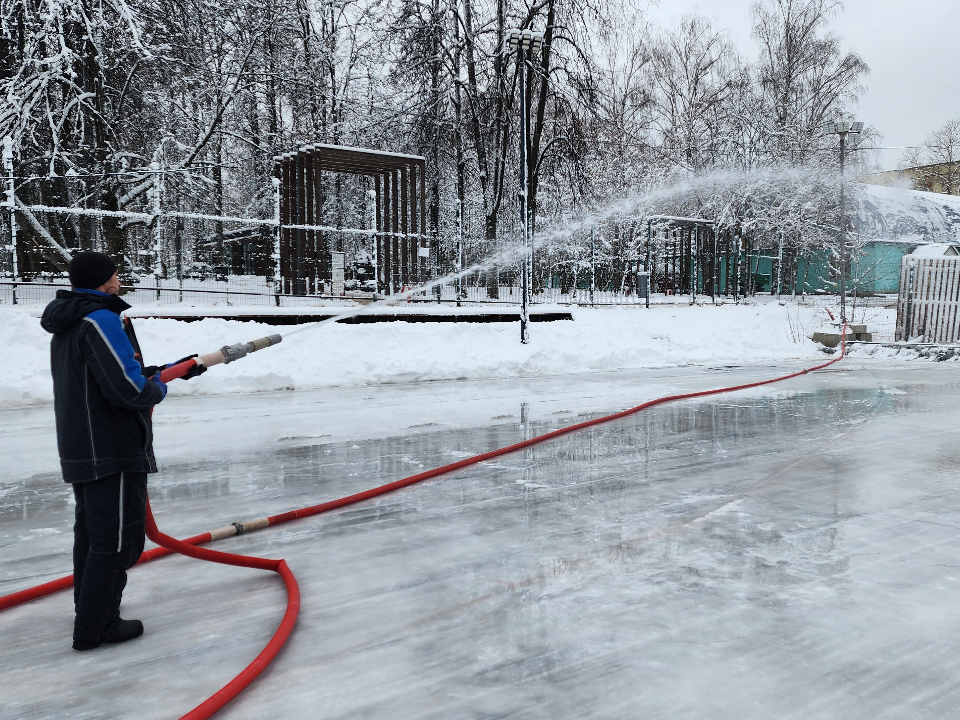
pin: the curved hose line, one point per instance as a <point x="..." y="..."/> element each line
<point x="233" y="688"/>
<point x="169" y="545"/>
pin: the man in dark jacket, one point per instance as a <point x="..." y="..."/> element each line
<point x="103" y="397"/>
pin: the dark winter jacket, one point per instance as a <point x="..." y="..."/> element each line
<point x="102" y="400"/>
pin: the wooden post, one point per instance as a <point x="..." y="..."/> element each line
<point x="311" y="284"/>
<point x="277" y="277"/>
<point x="380" y="274"/>
<point x="395" y="250"/>
<point x="406" y="266"/>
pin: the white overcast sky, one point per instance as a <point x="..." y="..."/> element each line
<point x="910" y="45"/>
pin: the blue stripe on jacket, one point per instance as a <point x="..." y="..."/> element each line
<point x="108" y="322"/>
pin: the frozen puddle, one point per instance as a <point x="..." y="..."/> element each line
<point x="780" y="555"/>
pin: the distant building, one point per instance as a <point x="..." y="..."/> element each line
<point x="891" y="222"/>
<point x="935" y="250"/>
<point x="942" y="178"/>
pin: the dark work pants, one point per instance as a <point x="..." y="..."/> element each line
<point x="108" y="537"/>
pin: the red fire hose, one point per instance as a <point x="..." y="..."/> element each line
<point x="233" y="688"/>
<point x="169" y="545"/>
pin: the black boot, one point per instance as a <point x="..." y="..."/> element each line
<point x="121" y="630"/>
<point x="118" y="631"/>
<point x="85" y="644"/>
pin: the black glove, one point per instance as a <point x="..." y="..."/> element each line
<point x="197" y="369"/>
<point x="151" y="370"/>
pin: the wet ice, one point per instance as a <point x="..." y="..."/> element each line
<point x="785" y="553"/>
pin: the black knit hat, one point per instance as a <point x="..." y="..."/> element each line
<point x="90" y="269"/>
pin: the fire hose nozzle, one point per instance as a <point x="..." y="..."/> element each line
<point x="264" y="342"/>
<point x="226" y="354"/>
<point x="235" y="352"/>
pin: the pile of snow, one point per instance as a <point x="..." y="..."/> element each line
<point x="905" y="352"/>
<point x="400" y="352"/>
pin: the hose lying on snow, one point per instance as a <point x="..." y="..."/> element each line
<point x="169" y="545"/>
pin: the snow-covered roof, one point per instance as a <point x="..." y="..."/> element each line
<point x="901" y="215"/>
<point x="934" y="250"/>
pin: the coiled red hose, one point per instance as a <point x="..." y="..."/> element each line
<point x="233" y="688"/>
<point x="169" y="545"/>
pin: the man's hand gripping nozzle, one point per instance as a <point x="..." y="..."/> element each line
<point x="226" y="354"/>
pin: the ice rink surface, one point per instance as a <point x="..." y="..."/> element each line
<point x="789" y="552"/>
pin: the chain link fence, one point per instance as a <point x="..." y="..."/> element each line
<point x="877" y="312"/>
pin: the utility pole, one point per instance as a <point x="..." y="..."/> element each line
<point x="524" y="41"/>
<point x="12" y="204"/>
<point x="843" y="129"/>
<point x="843" y="233"/>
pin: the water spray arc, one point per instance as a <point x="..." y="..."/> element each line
<point x="626" y="207"/>
<point x="731" y="186"/>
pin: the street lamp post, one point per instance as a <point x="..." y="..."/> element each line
<point x="843" y="129"/>
<point x="524" y="41"/>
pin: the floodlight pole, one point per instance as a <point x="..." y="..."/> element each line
<point x="843" y="129"/>
<point x="524" y="199"/>
<point x="523" y="41"/>
<point x="843" y="233"/>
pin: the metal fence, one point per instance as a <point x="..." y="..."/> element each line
<point x="170" y="293"/>
<point x="877" y="312"/>
<point x="250" y="290"/>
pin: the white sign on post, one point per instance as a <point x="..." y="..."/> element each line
<point x="336" y="281"/>
<point x="423" y="252"/>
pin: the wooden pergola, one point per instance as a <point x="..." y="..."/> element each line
<point x="401" y="244"/>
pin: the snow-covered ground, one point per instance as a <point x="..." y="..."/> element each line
<point x="601" y="339"/>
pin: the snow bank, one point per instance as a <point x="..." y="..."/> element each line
<point x="399" y="352"/>
<point x="906" y="353"/>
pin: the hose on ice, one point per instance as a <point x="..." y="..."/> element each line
<point x="169" y="545"/>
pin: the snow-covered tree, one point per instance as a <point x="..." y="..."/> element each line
<point x="937" y="163"/>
